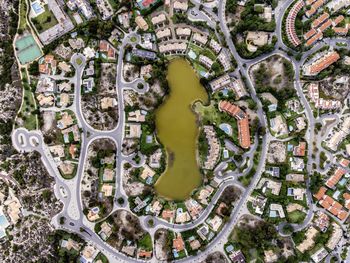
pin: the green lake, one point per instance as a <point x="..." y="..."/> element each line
<point x="177" y="130"/>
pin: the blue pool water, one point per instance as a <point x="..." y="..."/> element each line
<point x="38" y="9"/>
<point x="226" y="128"/>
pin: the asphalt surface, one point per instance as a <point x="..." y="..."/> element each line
<point x="69" y="191"/>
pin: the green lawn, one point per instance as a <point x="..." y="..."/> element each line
<point x="22" y="16"/>
<point x="208" y="113"/>
<point x="296" y="217"/>
<point x="72" y="175"/>
<point x="146" y="243"/>
<point x="45" y="20"/>
<point x="79" y="61"/>
<point x="28" y="107"/>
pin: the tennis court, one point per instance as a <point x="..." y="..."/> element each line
<point x="27" y="49"/>
<point x="3" y="225"/>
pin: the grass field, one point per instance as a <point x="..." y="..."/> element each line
<point x="146" y="242"/>
<point x="23" y="15"/>
<point x="27" y="109"/>
<point x="296" y="217"/>
<point x="45" y="20"/>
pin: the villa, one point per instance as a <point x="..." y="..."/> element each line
<point x="276" y="210"/>
<point x="215" y="223"/>
<point x="200" y="39"/>
<point x="158" y="20"/>
<point x="242" y="119"/>
<point x="180" y="5"/>
<point x="141" y="23"/>
<point x="183" y="32"/>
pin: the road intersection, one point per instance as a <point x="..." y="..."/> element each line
<point x="69" y="191"/>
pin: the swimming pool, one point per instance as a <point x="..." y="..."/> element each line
<point x="37" y="8"/>
<point x="226" y="128"/>
<point x="27" y="49"/>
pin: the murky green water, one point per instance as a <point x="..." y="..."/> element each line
<point x="178" y="131"/>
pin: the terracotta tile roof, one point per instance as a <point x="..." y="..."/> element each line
<point x="310" y="33"/>
<point x="344" y="162"/>
<point x="346" y="196"/>
<point x="300" y="149"/>
<point x="318" y="4"/>
<point x="49" y="58"/>
<point x="337" y="20"/>
<point x="325" y="204"/>
<point x="167" y="214"/>
<point x="334" y="210"/>
<point x="44" y="68"/>
<point x="242" y="120"/>
<point x="145" y="254"/>
<point x="328" y="199"/>
<point x="321" y="192"/>
<point x="290" y="23"/>
<point x="322" y="18"/>
<point x="309" y="2"/>
<point x="178" y="243"/>
<point x="324" y="62"/>
<point x="337" y="205"/>
<point x="334" y="179"/>
<point x="316" y="37"/>
<point x="340" y="30"/>
<point x="343" y="215"/>
<point x="326" y="25"/>
<point x="347" y="200"/>
<point x="111" y="53"/>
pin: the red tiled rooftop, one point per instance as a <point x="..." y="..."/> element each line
<point x="340" y="30"/>
<point x="334" y="179"/>
<point x="325" y="204"/>
<point x="178" y="243"/>
<point x="322" y="18"/>
<point x="242" y="121"/>
<point x="145" y="254"/>
<point x="346" y="196"/>
<point x="316" y="37"/>
<point x="300" y="149"/>
<point x="146" y="3"/>
<point x="328" y="199"/>
<point x="337" y="205"/>
<point x="310" y="33"/>
<point x="342" y="215"/>
<point x="321" y="192"/>
<point x="337" y="20"/>
<point x="324" y="62"/>
<point x="326" y="25"/>
<point x="334" y="210"/>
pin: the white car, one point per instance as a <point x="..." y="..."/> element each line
<point x="63" y="192"/>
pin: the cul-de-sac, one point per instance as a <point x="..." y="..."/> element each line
<point x="208" y="131"/>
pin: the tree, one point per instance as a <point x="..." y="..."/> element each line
<point x="140" y="85"/>
<point x="288" y="229"/>
<point x="215" y="67"/>
<point x="62" y="220"/>
<point x="34" y="68"/>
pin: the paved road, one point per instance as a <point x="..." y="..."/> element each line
<point x="68" y="191"/>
